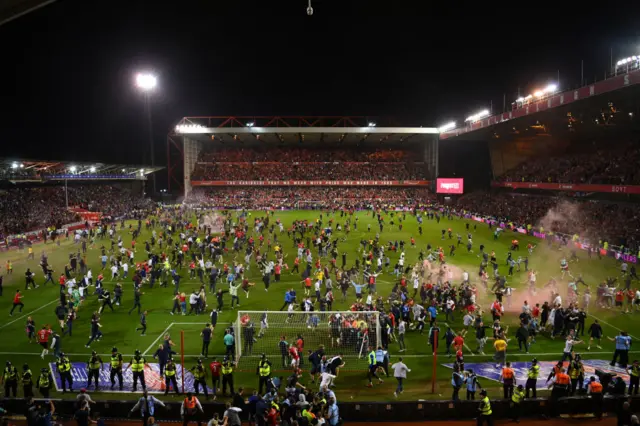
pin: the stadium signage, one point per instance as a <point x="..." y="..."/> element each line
<point x="450" y="186"/>
<point x="624" y="189"/>
<point x="310" y="183"/>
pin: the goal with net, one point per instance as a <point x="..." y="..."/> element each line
<point x="273" y="332"/>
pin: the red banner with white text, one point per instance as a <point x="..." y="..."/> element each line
<point x="309" y="183"/>
<point x="582" y="187"/>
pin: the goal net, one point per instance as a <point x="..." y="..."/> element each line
<point x="273" y="332"/>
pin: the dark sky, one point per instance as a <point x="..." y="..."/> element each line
<point x="66" y="76"/>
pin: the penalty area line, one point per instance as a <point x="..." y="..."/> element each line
<point x="157" y="338"/>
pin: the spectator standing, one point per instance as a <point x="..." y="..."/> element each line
<point x="147" y="406"/>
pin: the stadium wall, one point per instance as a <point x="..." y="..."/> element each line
<point x="415" y="411"/>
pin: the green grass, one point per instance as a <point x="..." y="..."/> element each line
<point x="119" y="327"/>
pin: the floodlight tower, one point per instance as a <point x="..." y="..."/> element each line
<point x="147" y="82"/>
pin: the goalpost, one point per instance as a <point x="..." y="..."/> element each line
<point x="339" y="332"/>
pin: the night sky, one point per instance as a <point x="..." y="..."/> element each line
<point x="66" y="79"/>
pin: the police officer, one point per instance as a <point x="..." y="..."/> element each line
<point x="10" y="379"/>
<point x="64" y="368"/>
<point x="116" y="367"/>
<point x="634" y="377"/>
<point x="532" y="378"/>
<point x="93" y="368"/>
<point x="199" y="378"/>
<point x="576" y="374"/>
<point x="44" y="382"/>
<point x="516" y="401"/>
<point x="227" y="375"/>
<point x="264" y="373"/>
<point x="170" y="377"/>
<point x="137" y="365"/>
<point x="27" y="381"/>
<point x="485" y="413"/>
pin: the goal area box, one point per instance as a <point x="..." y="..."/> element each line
<point x="273" y="332"/>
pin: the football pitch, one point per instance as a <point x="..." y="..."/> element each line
<point x="119" y="327"/>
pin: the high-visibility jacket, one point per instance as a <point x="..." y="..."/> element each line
<point x="137" y="365"/>
<point x="635" y="370"/>
<point x="27" y="378"/>
<point x="486" y="407"/>
<point x="94" y="363"/>
<point x="43" y="381"/>
<point x="227" y="368"/>
<point x="372" y="358"/>
<point x="264" y="369"/>
<point x="517" y="396"/>
<point x="595" y="387"/>
<point x="562" y="379"/>
<point x="116" y="361"/>
<point x="170" y="370"/>
<point x="190" y="403"/>
<point x="507" y="373"/>
<point x="198" y="372"/>
<point x="533" y="372"/>
<point x="576" y="370"/>
<point x="10" y="373"/>
<point x="64" y="365"/>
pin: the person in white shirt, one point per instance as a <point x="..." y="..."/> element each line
<point x="325" y="380"/>
<point x="114" y="272"/>
<point x="125" y="269"/>
<point x="400" y="371"/>
<point x="401" y="331"/>
<point x="465" y="277"/>
<point x="568" y="347"/>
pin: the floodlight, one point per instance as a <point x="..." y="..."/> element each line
<point x="538" y="93"/>
<point x="447" y="127"/>
<point x="72" y="169"/>
<point x="21" y="165"/>
<point x="551" y="88"/>
<point x="478" y="116"/>
<point x="14" y="165"/>
<point x="92" y="169"/>
<point x="372" y="124"/>
<point x="146" y="81"/>
<point x="520" y="99"/>
<point x="250" y="124"/>
<point x="189" y="128"/>
<point x="122" y="170"/>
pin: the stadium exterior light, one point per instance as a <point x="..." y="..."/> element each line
<point x="250" y="124"/>
<point x="520" y="99"/>
<point x="478" y="116"/>
<point x="72" y="169"/>
<point x="447" y="127"/>
<point x="551" y="88"/>
<point x="146" y="81"/>
<point x="14" y="165"/>
<point x="538" y="93"/>
<point x="92" y="169"/>
<point x="372" y="124"/>
<point x="21" y="166"/>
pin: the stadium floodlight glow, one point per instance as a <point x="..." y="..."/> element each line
<point x="520" y="99"/>
<point x="14" y="165"/>
<point x="122" y="170"/>
<point x="92" y="169"/>
<point x="190" y="128"/>
<point x="538" y="93"/>
<point x="477" y="116"/>
<point x="628" y="60"/>
<point x="250" y="124"/>
<point x="21" y="166"/>
<point x="146" y="81"/>
<point x="72" y="169"/>
<point x="551" y="88"/>
<point x="447" y="127"/>
<point x="372" y="124"/>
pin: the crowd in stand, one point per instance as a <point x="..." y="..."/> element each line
<point x="309" y="198"/>
<point x="312" y="171"/>
<point x="617" y="223"/>
<point x="592" y="164"/>
<point x="27" y="209"/>
<point x="298" y="163"/>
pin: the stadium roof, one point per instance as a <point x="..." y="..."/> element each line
<point x="13" y="9"/>
<point x="308" y="130"/>
<point x="32" y="170"/>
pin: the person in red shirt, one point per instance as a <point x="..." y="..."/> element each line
<point x="215" y="368"/>
<point x="43" y="339"/>
<point x="277" y="270"/>
<point x="296" y="264"/>
<point x="458" y="342"/>
<point x="17" y="301"/>
<point x="62" y="281"/>
<point x="294" y="355"/>
<point x="307" y="286"/>
<point x="619" y="298"/>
